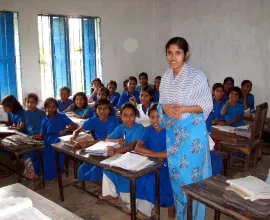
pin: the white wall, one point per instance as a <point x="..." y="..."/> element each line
<point x="227" y="38"/>
<point x="120" y="20"/>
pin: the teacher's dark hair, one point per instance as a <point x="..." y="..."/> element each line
<point x="180" y="42"/>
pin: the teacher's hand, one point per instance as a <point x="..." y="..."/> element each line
<point x="172" y="110"/>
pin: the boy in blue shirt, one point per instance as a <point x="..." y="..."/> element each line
<point x="124" y="98"/>
<point x="233" y="110"/>
<point x="64" y="102"/>
<point x="143" y="79"/>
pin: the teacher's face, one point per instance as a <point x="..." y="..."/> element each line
<point x="175" y="57"/>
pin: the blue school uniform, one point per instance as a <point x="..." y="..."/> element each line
<point x="51" y="128"/>
<point x="217" y="108"/>
<point x="113" y="112"/>
<point x="132" y="134"/>
<point x="87" y="171"/>
<point x="139" y="88"/>
<point x="124" y="98"/>
<point x="114" y="98"/>
<point x="63" y="106"/>
<point x="250" y="101"/>
<point x="33" y="121"/>
<point x="156" y="96"/>
<point x="233" y="112"/>
<point x="87" y="111"/>
<point x="17" y="117"/>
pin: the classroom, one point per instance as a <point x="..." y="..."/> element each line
<point x="134" y="109"/>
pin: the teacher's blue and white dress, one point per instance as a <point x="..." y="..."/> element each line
<point x="187" y="142"/>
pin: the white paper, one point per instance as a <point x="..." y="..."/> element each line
<point x="6" y="130"/>
<point x="252" y="186"/>
<point x="109" y="160"/>
<point x="211" y="143"/>
<point x="30" y="213"/>
<point x="225" y="128"/>
<point x="101" y="147"/>
<point x="245" y="127"/>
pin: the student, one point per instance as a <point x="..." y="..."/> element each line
<point x="64" y="102"/>
<point x="218" y="102"/>
<point x="151" y="144"/>
<point x="80" y="106"/>
<point x="146" y="96"/>
<point x="232" y="110"/>
<point x="124" y="98"/>
<point x="104" y="93"/>
<point x="33" y="119"/>
<point x="156" y="89"/>
<point x="53" y="126"/>
<point x="228" y="84"/>
<point x="114" y="96"/>
<point x="125" y="86"/>
<point x="126" y="135"/>
<point x="33" y="115"/>
<point x="143" y="79"/>
<point x="248" y="98"/>
<point x="16" y="114"/>
<point x="102" y="125"/>
<point x="96" y="85"/>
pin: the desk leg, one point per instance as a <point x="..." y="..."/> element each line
<point x="75" y="168"/>
<point x="217" y="215"/>
<point x="83" y="185"/>
<point x="41" y="169"/>
<point x="189" y="207"/>
<point x="18" y="168"/>
<point x="157" y="207"/>
<point x="133" y="198"/>
<point x="59" y="174"/>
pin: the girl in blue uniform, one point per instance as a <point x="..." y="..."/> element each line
<point x="146" y="96"/>
<point x="64" y="102"/>
<point x="228" y="84"/>
<point x="16" y="114"/>
<point x="96" y="85"/>
<point x="151" y="144"/>
<point x="53" y="126"/>
<point x="33" y="119"/>
<point x="233" y="110"/>
<point x="80" y="106"/>
<point x="114" y="96"/>
<point x="156" y="89"/>
<point x="248" y="98"/>
<point x="102" y="125"/>
<point x="127" y="135"/>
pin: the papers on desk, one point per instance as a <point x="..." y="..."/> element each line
<point x="128" y="161"/>
<point x="81" y="137"/>
<point x="20" y="209"/>
<point x="6" y="130"/>
<point x="230" y="128"/>
<point x="250" y="187"/>
<point x="101" y="147"/>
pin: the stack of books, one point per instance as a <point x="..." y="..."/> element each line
<point x="250" y="187"/>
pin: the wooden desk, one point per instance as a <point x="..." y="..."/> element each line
<point x="210" y="192"/>
<point x="226" y="136"/>
<point x="18" y="154"/>
<point x="80" y="155"/>
<point x="44" y="205"/>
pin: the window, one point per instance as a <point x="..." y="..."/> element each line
<point x="69" y="53"/>
<point x="10" y="67"/>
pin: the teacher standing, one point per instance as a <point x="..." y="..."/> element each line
<point x="184" y="105"/>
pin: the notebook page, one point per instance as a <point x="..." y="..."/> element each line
<point x="11" y="205"/>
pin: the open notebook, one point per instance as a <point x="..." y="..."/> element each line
<point x="250" y="187"/>
<point x="230" y="128"/>
<point x="19" y="209"/>
<point x="81" y="137"/>
<point x="128" y="161"/>
<point x="101" y="147"/>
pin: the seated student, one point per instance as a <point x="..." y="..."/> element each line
<point x="103" y="93"/>
<point x="218" y="102"/>
<point x="64" y="102"/>
<point x="143" y="79"/>
<point x="156" y="89"/>
<point x="228" y="85"/>
<point x="124" y="98"/>
<point x="80" y="106"/>
<point x="146" y="96"/>
<point x="151" y="144"/>
<point x="232" y="110"/>
<point x="16" y="114"/>
<point x="102" y="125"/>
<point x="96" y="85"/>
<point x="114" y="96"/>
<point x="248" y="98"/>
<point x="53" y="126"/>
<point x="125" y="86"/>
<point x="33" y="119"/>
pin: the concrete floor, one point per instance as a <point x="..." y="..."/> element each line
<point x="91" y="208"/>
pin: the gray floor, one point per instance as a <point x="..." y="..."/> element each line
<point x="89" y="207"/>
